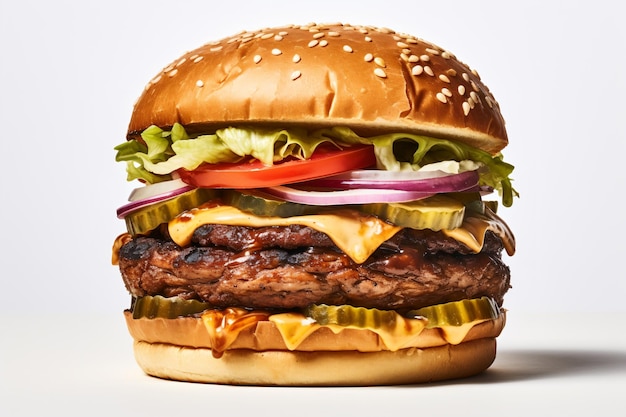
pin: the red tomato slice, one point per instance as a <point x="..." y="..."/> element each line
<point x="253" y="174"/>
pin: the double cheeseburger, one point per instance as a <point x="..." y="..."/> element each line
<point x="315" y="210"/>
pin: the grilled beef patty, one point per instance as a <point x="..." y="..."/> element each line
<point x="286" y="267"/>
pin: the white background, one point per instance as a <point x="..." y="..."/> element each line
<point x="70" y="72"/>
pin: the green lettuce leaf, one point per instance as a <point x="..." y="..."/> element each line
<point x="162" y="152"/>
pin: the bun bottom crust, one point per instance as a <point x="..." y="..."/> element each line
<point x="322" y="368"/>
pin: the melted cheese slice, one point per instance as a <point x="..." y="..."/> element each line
<point x="357" y="235"/>
<point x="224" y="327"/>
<point x="295" y="327"/>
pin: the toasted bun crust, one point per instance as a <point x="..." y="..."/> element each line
<point x="370" y="79"/>
<point x="180" y="349"/>
<point x="247" y="367"/>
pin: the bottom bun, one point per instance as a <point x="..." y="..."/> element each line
<point x="324" y="368"/>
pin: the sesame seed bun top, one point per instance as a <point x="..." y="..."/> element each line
<point x="372" y="80"/>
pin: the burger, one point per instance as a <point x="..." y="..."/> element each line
<point x="317" y="206"/>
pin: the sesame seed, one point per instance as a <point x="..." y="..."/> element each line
<point x="267" y="36"/>
<point x="474" y="86"/>
<point x="257" y="59"/>
<point x="441" y="98"/>
<point x="414" y="58"/>
<point x="411" y="40"/>
<point x="296" y="58"/>
<point x="216" y="48"/>
<point x="380" y="62"/>
<point x="199" y="83"/>
<point x="156" y="79"/>
<point x="313" y="43"/>
<point x="406" y="51"/>
<point x="368" y="57"/>
<point x="276" y="52"/>
<point x="428" y="70"/>
<point x="402" y="45"/>
<point x="417" y="70"/>
<point x="451" y="72"/>
<point x="283" y="33"/>
<point x="474" y="96"/>
<point x="278" y="37"/>
<point x="446" y="92"/>
<point x="466" y="108"/>
<point x="404" y="57"/>
<point x="380" y="72"/>
<point x="318" y="35"/>
<point x="461" y="90"/>
<point x="181" y="62"/>
<point x="432" y="51"/>
<point x="444" y="78"/>
<point x="446" y="55"/>
<point x="172" y="72"/>
<point x="347" y="48"/>
<point x="466" y="77"/>
<point x="295" y="75"/>
<point x="198" y="59"/>
<point x="425" y="57"/>
<point x="471" y="102"/>
<point x="323" y="43"/>
<point x="368" y="39"/>
<point x="333" y="34"/>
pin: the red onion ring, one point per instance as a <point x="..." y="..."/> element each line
<point x="429" y="181"/>
<point x="152" y="199"/>
<point x="356" y="196"/>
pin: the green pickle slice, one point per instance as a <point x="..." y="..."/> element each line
<point x="435" y="213"/>
<point x="346" y="315"/>
<point x="149" y="218"/>
<point x="167" y="308"/>
<point x="262" y="204"/>
<point x="457" y="313"/>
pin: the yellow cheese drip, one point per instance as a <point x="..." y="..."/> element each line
<point x="472" y="231"/>
<point x="356" y="234"/>
<point x="294" y="328"/>
<point x="455" y="334"/>
<point x="224" y="326"/>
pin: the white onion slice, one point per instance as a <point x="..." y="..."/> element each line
<point x="428" y="181"/>
<point x="159" y="188"/>
<point x="150" y="197"/>
<point x="357" y="196"/>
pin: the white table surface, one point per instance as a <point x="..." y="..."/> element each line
<point x="59" y="365"/>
